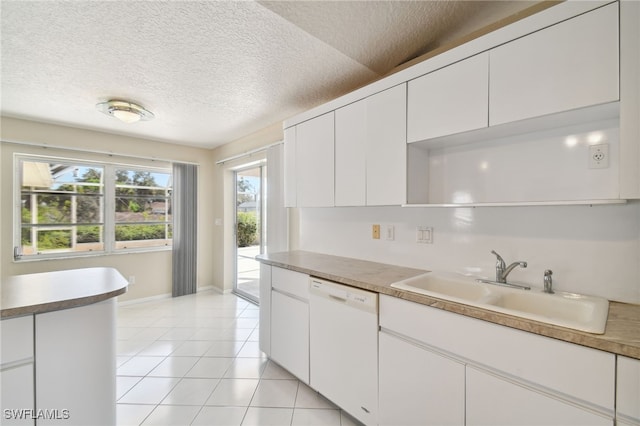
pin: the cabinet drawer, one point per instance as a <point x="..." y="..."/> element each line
<point x="17" y="339"/>
<point x="291" y="282"/>
<point x="579" y="373"/>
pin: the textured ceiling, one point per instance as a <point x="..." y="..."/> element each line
<point x="212" y="71"/>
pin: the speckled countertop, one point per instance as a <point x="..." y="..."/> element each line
<point x="622" y="334"/>
<point x="52" y="291"/>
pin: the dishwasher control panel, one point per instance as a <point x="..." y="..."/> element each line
<point x="355" y="297"/>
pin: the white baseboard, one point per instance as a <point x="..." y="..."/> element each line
<point x="145" y="299"/>
<point x="168" y="295"/>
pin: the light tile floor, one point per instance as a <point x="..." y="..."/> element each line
<point x="195" y="360"/>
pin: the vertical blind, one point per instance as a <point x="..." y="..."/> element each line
<point x="185" y="229"/>
<point x="277" y="223"/>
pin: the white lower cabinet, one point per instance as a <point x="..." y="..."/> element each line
<point x="628" y="391"/>
<point x="265" y="309"/>
<point x="494" y="400"/>
<point x="60" y="367"/>
<point x="16" y="371"/>
<point x="511" y="377"/>
<point x="76" y="365"/>
<point x="290" y="321"/>
<point x="17" y="395"/>
<point x="290" y="334"/>
<point x="418" y="386"/>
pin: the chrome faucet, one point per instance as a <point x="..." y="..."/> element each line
<point x="502" y="270"/>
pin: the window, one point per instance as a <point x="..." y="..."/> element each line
<point x="70" y="207"/>
<point x="142" y="209"/>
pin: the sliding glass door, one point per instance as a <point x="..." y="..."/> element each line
<point x="250" y="190"/>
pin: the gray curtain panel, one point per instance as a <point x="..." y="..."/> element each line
<point x="185" y="228"/>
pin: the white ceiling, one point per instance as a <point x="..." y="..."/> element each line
<point x="212" y="71"/>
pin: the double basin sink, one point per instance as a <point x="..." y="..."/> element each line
<point x="575" y="311"/>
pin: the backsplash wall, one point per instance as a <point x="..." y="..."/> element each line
<point x="591" y="250"/>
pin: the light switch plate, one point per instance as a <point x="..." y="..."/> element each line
<point x="390" y="232"/>
<point x="424" y="235"/>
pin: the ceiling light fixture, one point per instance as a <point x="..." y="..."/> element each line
<point x="125" y="111"/>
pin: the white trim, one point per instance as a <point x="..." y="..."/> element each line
<point x="247" y="154"/>
<point x="524" y="203"/>
<point x="94" y="151"/>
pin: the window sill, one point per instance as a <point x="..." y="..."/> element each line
<point x="70" y="256"/>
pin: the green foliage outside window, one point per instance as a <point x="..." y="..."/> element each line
<point x="140" y="232"/>
<point x="247" y="229"/>
<point x="69" y="213"/>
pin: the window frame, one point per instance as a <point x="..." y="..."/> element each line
<point x="109" y="211"/>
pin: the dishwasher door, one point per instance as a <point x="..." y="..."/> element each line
<point x="343" y="340"/>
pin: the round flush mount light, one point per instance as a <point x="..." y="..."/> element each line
<point x="125" y="111"/>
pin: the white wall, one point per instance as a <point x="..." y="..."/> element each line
<point x="591" y="250"/>
<point x="151" y="269"/>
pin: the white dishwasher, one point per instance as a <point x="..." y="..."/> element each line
<point x="343" y="347"/>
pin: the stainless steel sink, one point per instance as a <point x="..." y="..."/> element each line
<point x="575" y="311"/>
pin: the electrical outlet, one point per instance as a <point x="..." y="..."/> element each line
<point x="599" y="156"/>
<point x="424" y="235"/>
<point x="132" y="279"/>
<point x="375" y="232"/>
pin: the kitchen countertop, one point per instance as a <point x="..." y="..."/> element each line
<point x="622" y="333"/>
<point x="52" y="291"/>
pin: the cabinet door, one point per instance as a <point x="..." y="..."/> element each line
<point x="351" y="138"/>
<point x="315" y="162"/>
<point x="290" y="334"/>
<point x="17" y="395"/>
<point x="290" y="180"/>
<point x="265" y="309"/>
<point x="76" y="363"/>
<point x="628" y="390"/>
<point x="495" y="401"/>
<point x="418" y="387"/>
<point x="569" y="65"/>
<point x="450" y="100"/>
<point x="387" y="147"/>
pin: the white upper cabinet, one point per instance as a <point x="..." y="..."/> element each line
<point x="450" y="100"/>
<point x="371" y="150"/>
<point x="569" y="65"/>
<point x="351" y="138"/>
<point x="386" y="152"/>
<point x="315" y="161"/>
<point x="290" y="181"/>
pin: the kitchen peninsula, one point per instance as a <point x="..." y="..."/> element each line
<point x="58" y="346"/>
